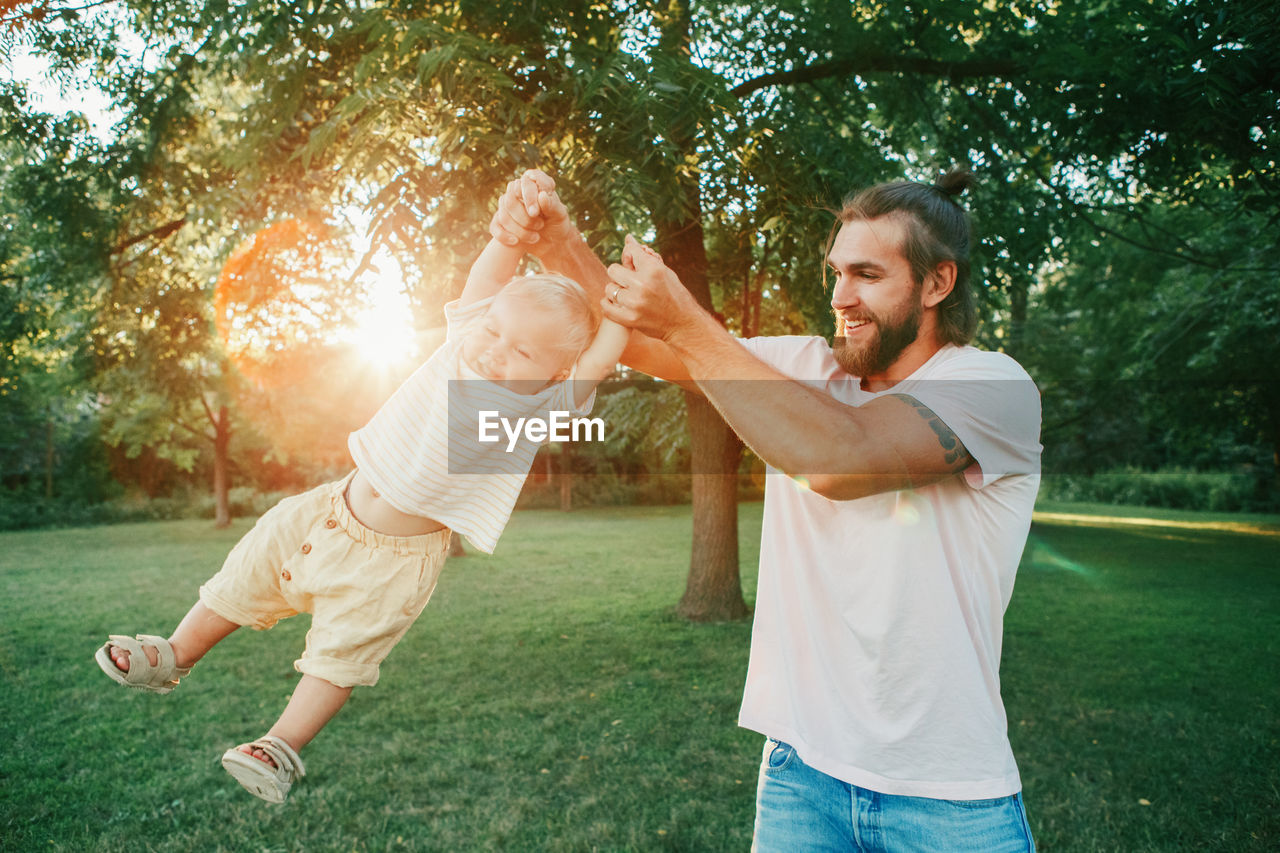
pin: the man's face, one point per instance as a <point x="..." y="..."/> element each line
<point x="876" y="300"/>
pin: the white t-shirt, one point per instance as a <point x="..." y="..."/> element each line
<point x="878" y="621"/>
<point x="422" y="449"/>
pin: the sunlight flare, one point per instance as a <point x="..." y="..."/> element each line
<point x="383" y="334"/>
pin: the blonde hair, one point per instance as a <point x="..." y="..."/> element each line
<point x="561" y="294"/>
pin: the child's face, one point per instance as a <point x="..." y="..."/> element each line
<point x="516" y="345"/>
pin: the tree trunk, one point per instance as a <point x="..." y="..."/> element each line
<point x="566" y="477"/>
<point x="1019" y="287"/>
<point x="221" y="473"/>
<point x="752" y="285"/>
<point x="49" y="457"/>
<point x="713" y="589"/>
<point x="1271" y="394"/>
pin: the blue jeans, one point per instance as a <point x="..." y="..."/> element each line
<point x="802" y="809"/>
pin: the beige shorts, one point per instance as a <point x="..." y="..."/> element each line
<point x="363" y="589"/>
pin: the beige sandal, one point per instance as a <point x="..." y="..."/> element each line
<point x="160" y="678"/>
<point x="260" y="778"/>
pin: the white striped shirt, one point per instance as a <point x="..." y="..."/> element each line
<point x="421" y="450"/>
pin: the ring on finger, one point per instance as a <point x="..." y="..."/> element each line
<point x="613" y="297"/>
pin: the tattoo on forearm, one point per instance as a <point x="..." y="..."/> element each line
<point x="956" y="455"/>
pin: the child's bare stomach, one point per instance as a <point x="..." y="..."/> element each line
<point x="373" y="511"/>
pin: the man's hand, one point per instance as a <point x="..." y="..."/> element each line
<point x="646" y="295"/>
<point x="530" y="213"/>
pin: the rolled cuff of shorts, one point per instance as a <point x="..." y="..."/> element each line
<point x="230" y="610"/>
<point x="340" y="673"/>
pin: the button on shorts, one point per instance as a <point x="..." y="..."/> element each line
<point x="363" y="589"/>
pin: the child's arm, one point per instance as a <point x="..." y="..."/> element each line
<point x="598" y="360"/>
<point x="496" y="266"/>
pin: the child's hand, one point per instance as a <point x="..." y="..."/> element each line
<point x="633" y="247"/>
<point x="530" y="211"/>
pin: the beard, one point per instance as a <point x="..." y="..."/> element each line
<point x="890" y="336"/>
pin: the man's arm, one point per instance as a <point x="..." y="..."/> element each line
<point x="842" y="452"/>
<point x="531" y="216"/>
<point x="655" y="358"/>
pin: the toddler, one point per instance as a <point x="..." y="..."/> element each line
<point x="362" y="555"/>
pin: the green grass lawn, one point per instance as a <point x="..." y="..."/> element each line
<point x="549" y="700"/>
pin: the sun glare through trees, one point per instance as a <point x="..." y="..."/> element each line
<point x="383" y="334"/>
<point x="290" y="287"/>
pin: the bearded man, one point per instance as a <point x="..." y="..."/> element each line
<point x="903" y="467"/>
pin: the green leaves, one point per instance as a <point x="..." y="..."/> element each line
<point x="742" y="123"/>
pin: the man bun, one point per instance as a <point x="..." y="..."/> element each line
<point x="955" y="181"/>
<point x="938" y="229"/>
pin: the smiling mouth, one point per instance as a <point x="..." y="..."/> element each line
<point x="483" y="368"/>
<point x="851" y="325"/>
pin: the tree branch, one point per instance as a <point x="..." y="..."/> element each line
<point x="1185" y="254"/>
<point x="213" y="419"/>
<point x="870" y="63"/>
<point x="44" y="11"/>
<point x="158" y="233"/>
<point x="194" y="431"/>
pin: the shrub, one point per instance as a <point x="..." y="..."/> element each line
<point x="21" y="511"/>
<point x="1171" y="488"/>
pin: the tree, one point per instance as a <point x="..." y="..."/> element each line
<point x="720" y="131"/>
<point x="55" y="229"/>
<point x="1179" y="365"/>
<point x="178" y="371"/>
